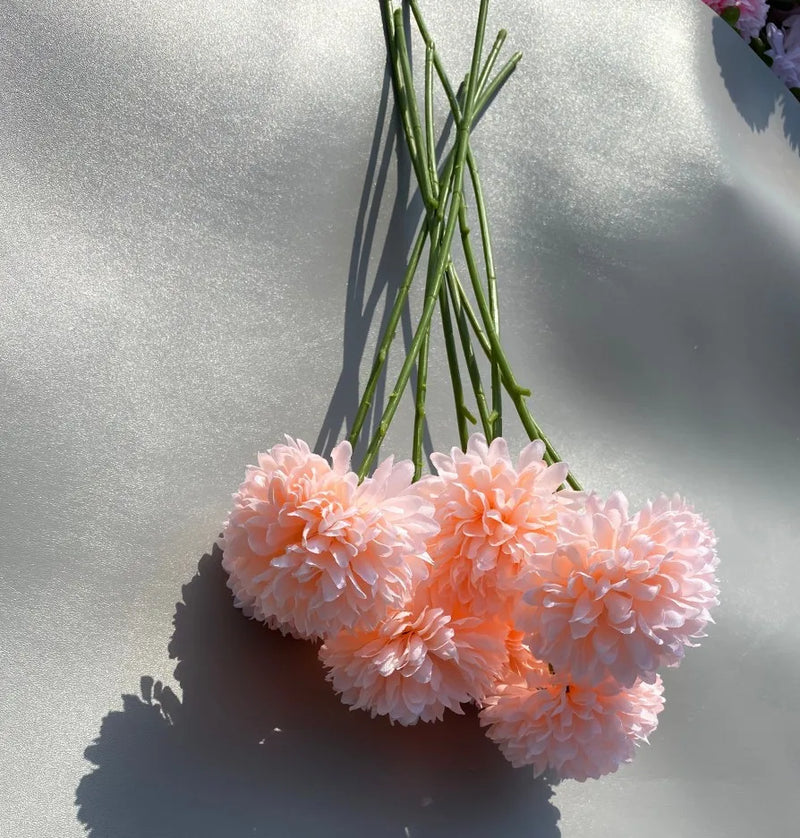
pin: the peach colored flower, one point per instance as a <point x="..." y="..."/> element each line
<point x="418" y="663"/>
<point x="493" y="515"/>
<point x="309" y="549"/>
<point x="520" y="660"/>
<point x="576" y="731"/>
<point x="619" y="596"/>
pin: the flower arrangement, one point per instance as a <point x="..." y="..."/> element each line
<point x="494" y="580"/>
<point x="772" y="28"/>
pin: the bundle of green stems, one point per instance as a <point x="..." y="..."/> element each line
<point x="441" y="185"/>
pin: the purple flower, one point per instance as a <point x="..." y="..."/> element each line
<point x="785" y="52"/>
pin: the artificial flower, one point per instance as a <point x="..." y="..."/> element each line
<point x="577" y="731"/>
<point x="620" y="596"/>
<point x="486" y="582"/>
<point x="520" y="660"/>
<point x="493" y="515"/>
<point x="418" y="663"/>
<point x="310" y="549"/>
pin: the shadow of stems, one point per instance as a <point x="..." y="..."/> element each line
<point x="260" y="745"/>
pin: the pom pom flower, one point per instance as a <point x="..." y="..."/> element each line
<point x="489" y="581"/>
<point x="619" y="596"/>
<point x="493" y="516"/>
<point x="577" y="731"/>
<point x="417" y="664"/>
<point x="309" y="548"/>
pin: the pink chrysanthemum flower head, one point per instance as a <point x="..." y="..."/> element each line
<point x="493" y="515"/>
<point x="309" y="549"/>
<point x="576" y="731"/>
<point x="620" y="596"/>
<point x="418" y="663"/>
<point x="520" y="661"/>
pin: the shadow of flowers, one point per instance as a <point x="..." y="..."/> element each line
<point x="747" y="89"/>
<point x="260" y="745"/>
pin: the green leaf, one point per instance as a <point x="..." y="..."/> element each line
<point x="730" y="15"/>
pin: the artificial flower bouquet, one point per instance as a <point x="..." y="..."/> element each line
<point x="772" y="28"/>
<point x="495" y="579"/>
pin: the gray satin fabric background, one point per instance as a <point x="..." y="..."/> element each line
<point x="197" y="198"/>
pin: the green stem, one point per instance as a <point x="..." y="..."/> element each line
<point x="497" y="82"/>
<point x="472" y="365"/>
<point x="491" y="282"/>
<point x="443" y="251"/>
<point x="517" y="393"/>
<point x="495" y="352"/>
<point x="485" y="93"/>
<point x="416" y="343"/>
<point x="398" y="86"/>
<point x="478" y="95"/>
<point x="430" y="141"/>
<point x="463" y="414"/>
<point x="388" y="336"/>
<point x="470" y="107"/>
<point x="490" y="61"/>
<point x="432" y="210"/>
<point x="463" y="327"/>
<point x="445" y="181"/>
<point x="409" y="110"/>
<point x="471" y="316"/>
<point x="419" y="405"/>
<point x="402" y="81"/>
<point x="402" y="295"/>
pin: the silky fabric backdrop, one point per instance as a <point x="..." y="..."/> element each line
<point x="203" y="214"/>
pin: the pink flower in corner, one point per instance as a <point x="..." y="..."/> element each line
<point x="619" y="596"/>
<point x="752" y="14"/>
<point x="310" y="550"/>
<point x="576" y="731"/>
<point x="493" y="515"/>
<point x="752" y="17"/>
<point x="418" y="663"/>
